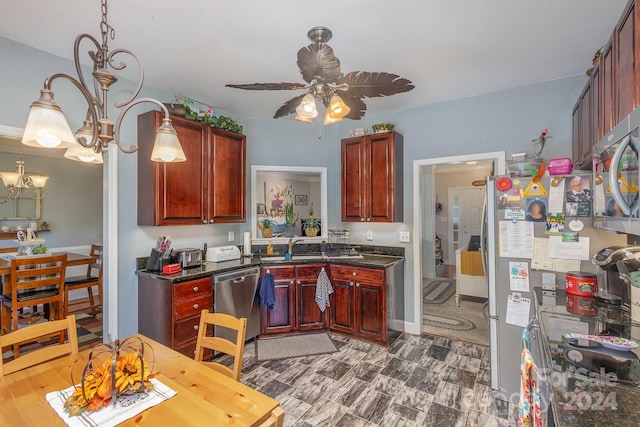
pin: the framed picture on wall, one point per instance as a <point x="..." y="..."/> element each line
<point x="301" y="199"/>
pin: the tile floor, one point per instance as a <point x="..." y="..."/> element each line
<point x="421" y="381"/>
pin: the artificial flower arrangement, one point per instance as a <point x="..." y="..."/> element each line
<point x="538" y="143"/>
<point x="112" y="370"/>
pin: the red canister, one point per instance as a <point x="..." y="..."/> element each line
<point x="583" y="284"/>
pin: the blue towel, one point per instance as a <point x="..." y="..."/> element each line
<point x="268" y="291"/>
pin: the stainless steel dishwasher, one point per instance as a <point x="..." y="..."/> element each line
<point x="235" y="294"/>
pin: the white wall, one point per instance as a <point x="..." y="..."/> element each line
<point x="496" y="121"/>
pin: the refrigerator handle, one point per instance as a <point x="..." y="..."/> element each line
<point x="613" y="175"/>
<point x="483" y="237"/>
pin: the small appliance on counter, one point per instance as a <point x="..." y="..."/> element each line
<point x="187" y="257"/>
<point x="223" y="253"/>
<point x="582" y="284"/>
<point x="614" y="266"/>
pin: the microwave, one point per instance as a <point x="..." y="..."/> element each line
<point x="616" y="180"/>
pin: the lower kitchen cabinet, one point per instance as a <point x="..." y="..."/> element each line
<point x="358" y="302"/>
<point x="170" y="312"/>
<point x="280" y="318"/>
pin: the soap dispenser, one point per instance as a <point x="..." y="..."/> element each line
<point x="269" y="249"/>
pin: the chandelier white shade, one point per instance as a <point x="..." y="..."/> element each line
<point x="18" y="182"/>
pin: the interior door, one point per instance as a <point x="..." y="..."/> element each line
<point x="465" y="216"/>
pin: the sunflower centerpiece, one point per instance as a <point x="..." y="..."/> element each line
<point x="113" y="370"/>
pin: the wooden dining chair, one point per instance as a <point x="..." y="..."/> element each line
<point x="34" y="280"/>
<point x="32" y="333"/>
<point x="275" y="420"/>
<point x="221" y="344"/>
<point x="92" y="278"/>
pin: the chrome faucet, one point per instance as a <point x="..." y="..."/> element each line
<point x="292" y="243"/>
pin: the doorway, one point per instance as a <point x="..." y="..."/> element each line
<point x="427" y="193"/>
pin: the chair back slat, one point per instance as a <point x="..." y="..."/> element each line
<point x="32" y="333"/>
<point x="220" y="344"/>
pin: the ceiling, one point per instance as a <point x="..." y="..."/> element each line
<point x="449" y="49"/>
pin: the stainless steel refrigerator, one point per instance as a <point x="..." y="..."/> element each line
<point x="505" y="339"/>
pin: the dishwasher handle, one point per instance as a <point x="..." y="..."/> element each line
<point x="237" y="275"/>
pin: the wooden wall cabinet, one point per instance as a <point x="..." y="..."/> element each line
<point x="170" y="312"/>
<point x="372" y="178"/>
<point x="209" y="187"/>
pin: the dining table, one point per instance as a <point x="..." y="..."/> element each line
<point x="203" y="395"/>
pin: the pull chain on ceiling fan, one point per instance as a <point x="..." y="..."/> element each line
<point x="341" y="94"/>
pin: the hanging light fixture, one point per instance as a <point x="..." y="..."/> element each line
<point x="18" y="183"/>
<point x="328" y="120"/>
<point x="337" y="108"/>
<point x="307" y="108"/>
<point x="47" y="127"/>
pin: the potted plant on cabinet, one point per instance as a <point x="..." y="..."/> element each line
<point x="265" y="227"/>
<point x="311" y="225"/>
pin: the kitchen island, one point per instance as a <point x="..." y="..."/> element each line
<point x="578" y="396"/>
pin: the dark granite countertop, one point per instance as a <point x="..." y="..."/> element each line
<point x="576" y="399"/>
<point x="211" y="268"/>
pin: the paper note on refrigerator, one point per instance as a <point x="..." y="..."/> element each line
<point x="516" y="239"/>
<point x="569" y="250"/>
<point x="519" y="276"/>
<point x="542" y="261"/>
<point x="518" y="310"/>
<point x="556" y="197"/>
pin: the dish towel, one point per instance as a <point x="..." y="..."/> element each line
<point x="126" y="406"/>
<point x="323" y="290"/>
<point x="268" y="290"/>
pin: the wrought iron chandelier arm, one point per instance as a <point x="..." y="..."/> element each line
<point x="90" y="100"/>
<point x="96" y="57"/>
<point x="121" y="66"/>
<point x="133" y="148"/>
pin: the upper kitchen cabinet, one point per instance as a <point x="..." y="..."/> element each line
<point x="209" y="187"/>
<point x="607" y="94"/>
<point x="626" y="57"/>
<point x="372" y="178"/>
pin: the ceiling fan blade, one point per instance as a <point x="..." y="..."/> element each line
<point x="269" y="86"/>
<point x="357" y="105"/>
<point x="315" y="61"/>
<point x="289" y="107"/>
<point x="373" y="84"/>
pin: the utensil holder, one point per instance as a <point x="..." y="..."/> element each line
<point x="156" y="260"/>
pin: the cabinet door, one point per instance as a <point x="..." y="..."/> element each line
<point x="586" y="138"/>
<point x="171" y="193"/>
<point x="575" y="133"/>
<point x="384" y="170"/>
<point x="226" y="178"/>
<point x="595" y="106"/>
<point x="371" y="321"/>
<point x="309" y="315"/>
<point x="626" y="63"/>
<point x="607" y="81"/>
<point x="343" y="306"/>
<point x="353" y="180"/>
<point x="282" y="317"/>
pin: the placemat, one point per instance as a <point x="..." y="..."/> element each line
<point x="125" y="408"/>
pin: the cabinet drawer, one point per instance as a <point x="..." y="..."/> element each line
<point x="192" y="306"/>
<point x="186" y="330"/>
<point x="192" y="288"/>
<point x="308" y="271"/>
<point x="345" y="272"/>
<point x="287" y="272"/>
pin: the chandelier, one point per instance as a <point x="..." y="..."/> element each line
<point x="18" y="183"/>
<point x="335" y="107"/>
<point x="47" y="127"/>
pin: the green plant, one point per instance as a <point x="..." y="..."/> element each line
<point x="220" y="122"/>
<point x="288" y="213"/>
<point x="40" y="249"/>
<point x="312" y="224"/>
<point x="266" y="223"/>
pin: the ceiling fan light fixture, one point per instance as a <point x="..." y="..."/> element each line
<point x="307" y="107"/>
<point x="337" y="108"/>
<point x="303" y="119"/>
<point x="328" y="120"/>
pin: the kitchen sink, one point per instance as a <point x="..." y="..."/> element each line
<point x="293" y="258"/>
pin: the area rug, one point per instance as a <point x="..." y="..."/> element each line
<point x="445" y="321"/>
<point x="438" y="291"/>
<point x="294" y="346"/>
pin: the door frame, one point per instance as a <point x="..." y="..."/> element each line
<point x="499" y="159"/>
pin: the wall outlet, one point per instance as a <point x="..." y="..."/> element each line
<point x="232" y="236"/>
<point x="369" y="234"/>
<point x="405" y="237"/>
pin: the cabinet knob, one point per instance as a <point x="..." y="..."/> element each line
<point x="358" y="285"/>
<point x="291" y="282"/>
<point x="368" y="219"/>
<point x="361" y="219"/>
<point x="204" y="221"/>
<point x="350" y="284"/>
<point x="196" y="327"/>
<point x="196" y="289"/>
<point x="211" y="221"/>
<point x="354" y="273"/>
<point x="196" y="306"/>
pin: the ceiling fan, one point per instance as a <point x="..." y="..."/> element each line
<point x="341" y="94"/>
